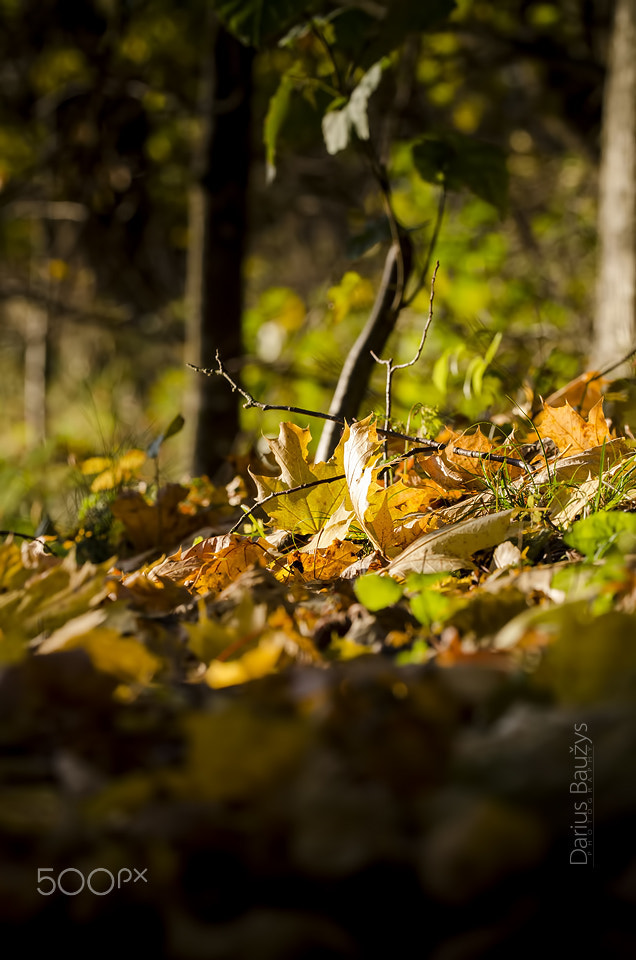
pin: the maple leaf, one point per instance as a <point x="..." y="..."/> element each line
<point x="302" y="511"/>
<point x="213" y="563"/>
<point x="154" y="594"/>
<point x="570" y="431"/>
<point x="583" y="392"/>
<point x="321" y="563"/>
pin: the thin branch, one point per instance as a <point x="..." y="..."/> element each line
<point x="424" y="445"/>
<point x="338" y="78"/>
<point x="391" y="368"/>
<point x="27" y="536"/>
<point x="429" y="319"/>
<point x="249" y="399"/>
<point x="280" y="493"/>
<point x="613" y="366"/>
<point x="379" y="172"/>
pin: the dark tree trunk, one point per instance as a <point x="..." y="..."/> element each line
<point x="217" y="242"/>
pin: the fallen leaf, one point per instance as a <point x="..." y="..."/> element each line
<point x="303" y="511"/>
<point x="569" y="430"/>
<point x="452" y="546"/>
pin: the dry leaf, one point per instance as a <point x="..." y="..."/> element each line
<point x="452" y="546"/>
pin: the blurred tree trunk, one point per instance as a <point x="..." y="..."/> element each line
<point x="217" y="241"/>
<point x="615" y="314"/>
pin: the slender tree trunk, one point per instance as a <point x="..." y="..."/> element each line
<point x="615" y="314"/>
<point x="353" y="382"/>
<point x="217" y="241"/>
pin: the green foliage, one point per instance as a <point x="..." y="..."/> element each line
<point x="256" y="23"/>
<point x="602" y="533"/>
<point x="377" y="592"/>
<point x="429" y="604"/>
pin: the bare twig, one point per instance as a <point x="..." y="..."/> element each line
<point x="429" y="320"/>
<point x="27" y="536"/>
<point x="424" y="443"/>
<point x="391" y="367"/>
<point x="318" y="414"/>
<point x="281" y="493"/>
<point x="613" y="366"/>
<point x="249" y="399"/>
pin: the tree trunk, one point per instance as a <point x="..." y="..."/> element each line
<point x="218" y="223"/>
<point x="615" y="314"/>
<point x="353" y="382"/>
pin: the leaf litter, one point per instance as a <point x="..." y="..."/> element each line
<point x="279" y="722"/>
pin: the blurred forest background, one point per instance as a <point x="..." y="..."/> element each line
<point x="134" y="178"/>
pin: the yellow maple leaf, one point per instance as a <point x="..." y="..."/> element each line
<point x="212" y="563"/>
<point x="303" y="511"/>
<point x="322" y="563"/>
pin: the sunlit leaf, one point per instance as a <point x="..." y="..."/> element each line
<point x="303" y="511"/>
<point x="605" y="530"/>
<point x="339" y="122"/>
<point x="568" y="429"/>
<point x="452" y="547"/>
<point x="275" y="118"/>
<point x="377" y="592"/>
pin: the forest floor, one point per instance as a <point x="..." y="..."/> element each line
<point x="369" y="712"/>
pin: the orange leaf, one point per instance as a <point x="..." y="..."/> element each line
<point x="570" y="431"/>
<point x="582" y="393"/>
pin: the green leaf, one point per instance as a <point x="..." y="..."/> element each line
<point x="376" y="592"/>
<point x="606" y="530"/>
<point x="428" y="604"/>
<point x="431" y="607"/>
<point x="361" y="35"/>
<point x="459" y="161"/>
<point x="276" y="115"/>
<point x="175" y="426"/>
